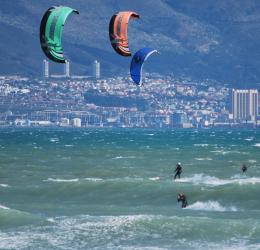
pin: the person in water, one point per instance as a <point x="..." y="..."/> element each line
<point x="182" y="198"/>
<point x="244" y="168"/>
<point x="178" y="171"/>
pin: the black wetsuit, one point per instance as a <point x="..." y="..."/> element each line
<point x="244" y="168"/>
<point x="178" y="171"/>
<point x="183" y="200"/>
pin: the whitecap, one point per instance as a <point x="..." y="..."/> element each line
<point x="201" y="179"/>
<point x="93" y="179"/>
<point x="203" y="159"/>
<point x="4" y="207"/>
<point x="123" y="157"/>
<point x="210" y="206"/>
<point x="54" y="139"/>
<point x="4" y="185"/>
<point x="61" y="180"/>
<point x="51" y="220"/>
<point x="257" y="145"/>
<point x="201" y="145"/>
<point x="68" y="145"/>
<point x="157" y="178"/>
<point x="223" y="152"/>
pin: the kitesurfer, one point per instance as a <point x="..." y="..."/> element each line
<point x="178" y="170"/>
<point x="244" y="168"/>
<point x="182" y="198"/>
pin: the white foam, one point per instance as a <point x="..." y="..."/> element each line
<point x="223" y="152"/>
<point x="203" y="159"/>
<point x="257" y="145"/>
<point x="93" y="179"/>
<point x="249" y="139"/>
<point x="62" y="180"/>
<point x="210" y="206"/>
<point x="51" y="220"/>
<point x="201" y="145"/>
<point x="5" y="208"/>
<point x="54" y="139"/>
<point x="4" y="185"/>
<point x="68" y="145"/>
<point x="157" y="178"/>
<point x="123" y="157"/>
<point x="199" y="179"/>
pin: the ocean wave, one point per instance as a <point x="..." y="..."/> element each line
<point x="136" y="232"/>
<point x="4" y="185"/>
<point x="150" y="134"/>
<point x="13" y="217"/>
<point x="223" y="152"/>
<point x="203" y="159"/>
<point x="249" y="139"/>
<point x="4" y="207"/>
<point x="201" y="145"/>
<point x="123" y="157"/>
<point x="210" y="206"/>
<point x="257" y="145"/>
<point x="61" y="180"/>
<point x="97" y="179"/>
<point x="199" y="179"/>
<point x="54" y="139"/>
<point x="94" y="179"/>
<point x="157" y="178"/>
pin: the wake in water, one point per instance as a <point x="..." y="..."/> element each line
<point x="201" y="179"/>
<point x="210" y="206"/>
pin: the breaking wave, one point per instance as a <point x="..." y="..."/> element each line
<point x="210" y="206"/>
<point x="199" y="179"/>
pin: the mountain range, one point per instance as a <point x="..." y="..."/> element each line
<point x="196" y="38"/>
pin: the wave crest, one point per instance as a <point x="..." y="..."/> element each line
<point x="210" y="206"/>
<point x="199" y="179"/>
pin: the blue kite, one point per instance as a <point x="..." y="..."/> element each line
<point x="137" y="63"/>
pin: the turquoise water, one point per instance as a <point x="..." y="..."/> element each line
<point x="113" y="189"/>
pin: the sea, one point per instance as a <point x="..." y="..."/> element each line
<point x="114" y="189"/>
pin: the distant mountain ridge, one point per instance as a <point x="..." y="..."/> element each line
<point x="202" y="39"/>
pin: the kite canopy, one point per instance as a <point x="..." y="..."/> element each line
<point x="137" y="63"/>
<point x="51" y="32"/>
<point x="118" y="31"/>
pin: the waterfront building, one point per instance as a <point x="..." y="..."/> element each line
<point x="76" y="122"/>
<point x="244" y="104"/>
<point x="46" y="72"/>
<point x="67" y="69"/>
<point x="96" y="69"/>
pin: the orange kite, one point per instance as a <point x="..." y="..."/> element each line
<point x="118" y="31"/>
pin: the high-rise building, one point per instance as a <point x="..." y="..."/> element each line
<point x="45" y="68"/>
<point x="96" y="69"/>
<point x="244" y="104"/>
<point x="67" y="69"/>
<point x="76" y="122"/>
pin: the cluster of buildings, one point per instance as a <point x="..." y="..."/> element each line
<point x="92" y="101"/>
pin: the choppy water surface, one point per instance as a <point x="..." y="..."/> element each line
<point x="113" y="189"/>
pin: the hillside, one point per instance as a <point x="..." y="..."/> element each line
<point x="202" y="39"/>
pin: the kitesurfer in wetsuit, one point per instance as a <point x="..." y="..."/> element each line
<point x="178" y="171"/>
<point x="182" y="198"/>
<point x="244" y="168"/>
